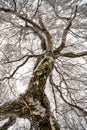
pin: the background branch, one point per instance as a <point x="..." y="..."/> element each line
<point x="64" y="35"/>
<point x="8" y="123"/>
<point x="73" y="55"/>
<point x="15" y="6"/>
<point x="61" y="95"/>
<point x="47" y="36"/>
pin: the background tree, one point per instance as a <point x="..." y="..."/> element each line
<point x="43" y="52"/>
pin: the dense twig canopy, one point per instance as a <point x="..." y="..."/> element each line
<point x="43" y="52"/>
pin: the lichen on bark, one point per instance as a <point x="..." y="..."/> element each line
<point x="34" y="104"/>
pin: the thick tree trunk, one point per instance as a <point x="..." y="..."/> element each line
<point x="34" y="104"/>
<point x="38" y="101"/>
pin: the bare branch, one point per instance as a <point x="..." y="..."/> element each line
<point x="36" y="28"/>
<point x="15" y="5"/>
<point x="29" y="21"/>
<point x="6" y="10"/>
<point x="77" y="35"/>
<point x="53" y="91"/>
<point x="9" y="10"/>
<point x="64" y="35"/>
<point x="21" y="17"/>
<point x="9" y="123"/>
<point x="38" y="5"/>
<point x="39" y="34"/>
<point x="70" y="104"/>
<point x="26" y="26"/>
<point x="15" y="70"/>
<point x="73" y="55"/>
<point x="47" y="35"/>
<point x="15" y="60"/>
<point x="61" y="17"/>
<point x="28" y="56"/>
<point x="48" y="43"/>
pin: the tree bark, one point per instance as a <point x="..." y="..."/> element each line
<point x="36" y="98"/>
<point x="34" y="104"/>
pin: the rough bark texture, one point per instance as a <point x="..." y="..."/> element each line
<point x="34" y="104"/>
<point x="38" y="102"/>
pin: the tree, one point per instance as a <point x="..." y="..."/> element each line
<point x="50" y="38"/>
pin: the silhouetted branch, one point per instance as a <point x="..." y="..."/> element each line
<point x="78" y="35"/>
<point x="8" y="77"/>
<point x="61" y="95"/>
<point x="30" y="56"/>
<point x="64" y="35"/>
<point x="40" y="35"/>
<point x="29" y="21"/>
<point x="38" y="5"/>
<point x="73" y="55"/>
<point x="21" y="17"/>
<point x="47" y="36"/>
<point x="15" y="5"/>
<point x="6" y="10"/>
<point x="27" y="58"/>
<point x="61" y="17"/>
<point x="36" y="28"/>
<point x="9" y="123"/>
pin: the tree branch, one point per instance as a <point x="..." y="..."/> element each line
<point x="61" y="17"/>
<point x="15" y="60"/>
<point x="39" y="34"/>
<point x="21" y="17"/>
<point x="61" y="95"/>
<point x="29" y="21"/>
<point x="43" y="30"/>
<point x="15" y="6"/>
<point x="28" y="56"/>
<point x="6" y="10"/>
<point x="47" y="36"/>
<point x="64" y="35"/>
<point x="38" y="5"/>
<point x="9" y="123"/>
<point x="34" y="102"/>
<point x="73" y="55"/>
<point x="36" y="28"/>
<point x="15" y="70"/>
<point x="25" y="56"/>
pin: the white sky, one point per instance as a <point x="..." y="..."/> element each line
<point x="21" y="87"/>
<point x="82" y="2"/>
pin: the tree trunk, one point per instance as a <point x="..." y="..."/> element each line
<point x="34" y="104"/>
